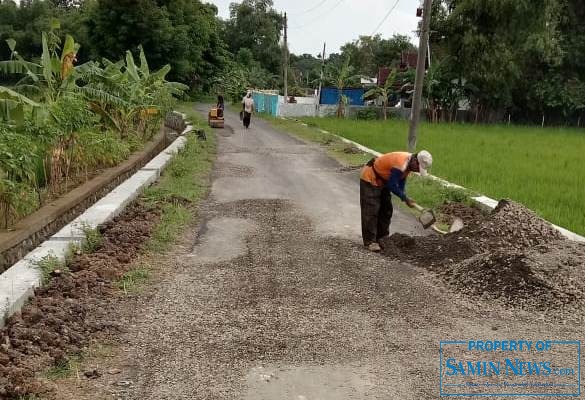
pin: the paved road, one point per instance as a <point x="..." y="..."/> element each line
<point x="282" y="167"/>
<point x="275" y="298"/>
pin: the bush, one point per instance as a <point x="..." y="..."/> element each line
<point x="367" y="114"/>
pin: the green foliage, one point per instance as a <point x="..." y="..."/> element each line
<point x="372" y="52"/>
<point x="256" y="26"/>
<point x="128" y="97"/>
<point x="81" y="119"/>
<point x="341" y="75"/>
<point x="182" y="33"/>
<point x="367" y="114"/>
<point x="48" y="265"/>
<point x="384" y="91"/>
<point x="18" y="155"/>
<point x="485" y="51"/>
<point x="131" y="281"/>
<point x="93" y="239"/>
<point x="232" y="82"/>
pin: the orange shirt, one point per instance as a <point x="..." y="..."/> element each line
<point x="384" y="165"/>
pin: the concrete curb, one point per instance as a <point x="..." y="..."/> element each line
<point x="483" y="202"/>
<point x="17" y="283"/>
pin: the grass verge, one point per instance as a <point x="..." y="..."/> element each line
<point x="131" y="282"/>
<point x="540" y="168"/>
<point x="182" y="185"/>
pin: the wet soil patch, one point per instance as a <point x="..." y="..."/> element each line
<point x="66" y="313"/>
<point x="511" y="255"/>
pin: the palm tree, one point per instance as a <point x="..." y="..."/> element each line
<point x="383" y="91"/>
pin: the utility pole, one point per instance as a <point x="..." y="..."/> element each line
<point x="420" y="75"/>
<point x="321" y="77"/>
<point x="285" y="61"/>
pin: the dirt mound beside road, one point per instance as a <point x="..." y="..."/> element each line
<point x="511" y="255"/>
<point x="65" y="314"/>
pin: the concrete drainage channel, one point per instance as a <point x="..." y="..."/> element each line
<point x="17" y="284"/>
<point x="483" y="202"/>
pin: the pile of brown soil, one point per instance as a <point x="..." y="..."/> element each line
<point x="63" y="316"/>
<point x="511" y="254"/>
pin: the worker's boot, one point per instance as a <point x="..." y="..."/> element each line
<point x="375" y="247"/>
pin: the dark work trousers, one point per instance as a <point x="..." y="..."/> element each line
<point x="376" y="205"/>
<point x="247" y="118"/>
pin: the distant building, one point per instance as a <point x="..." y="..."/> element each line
<point x="368" y="82"/>
<point x="408" y="59"/>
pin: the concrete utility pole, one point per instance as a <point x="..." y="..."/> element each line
<point x="420" y="75"/>
<point x="285" y="61"/>
<point x="321" y="77"/>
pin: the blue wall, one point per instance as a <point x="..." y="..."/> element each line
<point x="331" y="96"/>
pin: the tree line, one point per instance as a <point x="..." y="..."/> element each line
<point x="522" y="59"/>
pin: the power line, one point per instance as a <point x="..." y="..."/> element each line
<point x="319" y="17"/>
<point x="310" y="9"/>
<point x="385" y="18"/>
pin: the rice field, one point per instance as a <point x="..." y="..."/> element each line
<point x="543" y="169"/>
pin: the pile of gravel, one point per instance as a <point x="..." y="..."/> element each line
<point x="511" y="255"/>
<point x="513" y="226"/>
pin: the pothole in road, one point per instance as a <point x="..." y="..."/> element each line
<point x="230" y="170"/>
<point x="223" y="239"/>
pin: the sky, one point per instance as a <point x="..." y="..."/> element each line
<point x="311" y="22"/>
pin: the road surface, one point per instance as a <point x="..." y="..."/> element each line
<point x="274" y="297"/>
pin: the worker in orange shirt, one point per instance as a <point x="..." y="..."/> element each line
<point x="379" y="178"/>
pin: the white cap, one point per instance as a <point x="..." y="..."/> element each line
<point x="425" y="160"/>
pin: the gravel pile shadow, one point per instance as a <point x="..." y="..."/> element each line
<point x="65" y="314"/>
<point x="511" y="255"/>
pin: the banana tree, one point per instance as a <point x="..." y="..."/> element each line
<point x="383" y="91"/>
<point x="49" y="78"/>
<point x="12" y="106"/>
<point x="125" y="95"/>
<point x="44" y="81"/>
<point x="341" y="75"/>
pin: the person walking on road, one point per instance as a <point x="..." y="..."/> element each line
<point x="247" y="108"/>
<point x="381" y="177"/>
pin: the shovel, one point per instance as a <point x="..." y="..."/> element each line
<point x="427" y="219"/>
